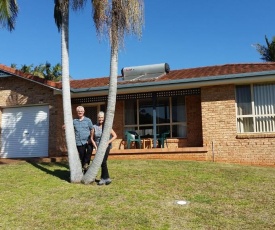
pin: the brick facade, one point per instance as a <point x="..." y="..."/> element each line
<point x="194" y="125"/>
<point x="220" y="135"/>
<point x="118" y="125"/>
<point x="211" y="122"/>
<point x="15" y="91"/>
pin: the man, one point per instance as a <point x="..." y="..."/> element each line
<point x="83" y="129"/>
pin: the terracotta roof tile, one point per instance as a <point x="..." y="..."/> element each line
<point x="91" y="82"/>
<point x="208" y="71"/>
<point x="219" y="70"/>
<point x="29" y="76"/>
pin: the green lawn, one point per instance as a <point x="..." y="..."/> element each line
<point x="143" y="195"/>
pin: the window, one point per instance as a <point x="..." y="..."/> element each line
<point x="255" y="108"/>
<point x="170" y="115"/>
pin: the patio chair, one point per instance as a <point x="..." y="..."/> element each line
<point x="163" y="138"/>
<point x="132" y="136"/>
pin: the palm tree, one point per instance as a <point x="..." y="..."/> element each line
<point x="56" y="72"/>
<point x="119" y="17"/>
<point x="8" y="13"/>
<point x="26" y="68"/>
<point x="52" y="73"/>
<point x="45" y="71"/>
<point x="61" y="15"/>
<point x="268" y="51"/>
<point x="39" y="71"/>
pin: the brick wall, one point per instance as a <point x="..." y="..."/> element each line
<point x="194" y="125"/>
<point x="220" y="135"/>
<point x="60" y="148"/>
<point x="118" y="125"/>
<point x="15" y="91"/>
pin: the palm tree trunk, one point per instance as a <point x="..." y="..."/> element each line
<point x="123" y="14"/>
<point x="109" y="118"/>
<point x="74" y="161"/>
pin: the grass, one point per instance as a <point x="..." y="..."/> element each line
<point x="143" y="195"/>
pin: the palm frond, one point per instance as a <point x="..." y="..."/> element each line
<point x="8" y="13"/>
<point x="60" y="6"/>
<point x="127" y="18"/>
<point x="78" y="4"/>
<point x="118" y="18"/>
<point x="100" y="15"/>
<point x="267" y="52"/>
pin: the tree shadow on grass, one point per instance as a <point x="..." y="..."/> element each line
<point x="61" y="174"/>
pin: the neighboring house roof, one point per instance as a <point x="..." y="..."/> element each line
<point x="199" y="74"/>
<point x="8" y="71"/>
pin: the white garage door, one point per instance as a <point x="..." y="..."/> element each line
<point x="24" y="132"/>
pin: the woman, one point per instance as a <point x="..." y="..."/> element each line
<point x="96" y="136"/>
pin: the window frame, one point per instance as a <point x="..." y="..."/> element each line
<point x="253" y="115"/>
<point x="138" y="127"/>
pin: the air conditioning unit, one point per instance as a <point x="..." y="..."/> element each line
<point x="145" y="71"/>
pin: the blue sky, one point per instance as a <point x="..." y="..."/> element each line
<point x="182" y="33"/>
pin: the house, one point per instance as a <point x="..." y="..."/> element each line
<point x="223" y="113"/>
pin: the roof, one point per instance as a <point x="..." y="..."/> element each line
<point x="217" y="71"/>
<point x="191" y="73"/>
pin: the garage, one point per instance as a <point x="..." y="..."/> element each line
<point x="25" y="132"/>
